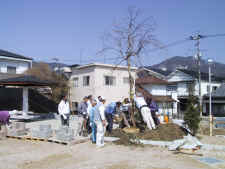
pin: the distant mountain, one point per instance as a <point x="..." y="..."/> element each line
<point x="189" y="63"/>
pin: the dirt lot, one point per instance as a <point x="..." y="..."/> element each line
<point x="19" y="154"/>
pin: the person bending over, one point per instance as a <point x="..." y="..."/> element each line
<point x="110" y="111"/>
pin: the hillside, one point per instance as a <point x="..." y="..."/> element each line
<point x="190" y="63"/>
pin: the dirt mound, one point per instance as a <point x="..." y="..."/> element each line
<point x="164" y="132"/>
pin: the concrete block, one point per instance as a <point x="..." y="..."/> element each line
<point x="45" y="127"/>
<point x="41" y="134"/>
<point x="65" y="134"/>
<point x="12" y="132"/>
<point x="3" y="132"/>
<point x="18" y="126"/>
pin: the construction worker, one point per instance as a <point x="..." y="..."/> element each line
<point x="82" y="110"/>
<point x="64" y="110"/>
<point x="93" y="112"/>
<point x="145" y="110"/>
<point x="154" y="108"/>
<point x="110" y="111"/>
<point x="100" y="122"/>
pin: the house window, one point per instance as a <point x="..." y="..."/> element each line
<point x="126" y="80"/>
<point x="171" y="88"/>
<point x="214" y="88"/>
<point x="86" y="80"/>
<point x="110" y="80"/>
<point x="11" y="69"/>
<point x="75" y="81"/>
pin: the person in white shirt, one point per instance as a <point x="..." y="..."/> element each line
<point x="100" y="122"/>
<point x="145" y="111"/>
<point x="89" y="102"/>
<point x="64" y="111"/>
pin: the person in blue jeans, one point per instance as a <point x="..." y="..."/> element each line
<point x="92" y="117"/>
<point x="110" y="111"/>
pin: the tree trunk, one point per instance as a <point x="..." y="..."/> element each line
<point x="131" y="82"/>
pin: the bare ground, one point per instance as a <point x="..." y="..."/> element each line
<point x="19" y="154"/>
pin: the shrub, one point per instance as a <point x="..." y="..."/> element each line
<point x="192" y="115"/>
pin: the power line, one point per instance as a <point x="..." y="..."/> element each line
<point x="179" y="42"/>
<point x="83" y="61"/>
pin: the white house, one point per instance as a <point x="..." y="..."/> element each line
<point x="12" y="63"/>
<point x="109" y="81"/>
<point x="187" y="83"/>
<point x="188" y="80"/>
<point x="161" y="92"/>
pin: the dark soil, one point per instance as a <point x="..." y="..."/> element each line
<point x="164" y="132"/>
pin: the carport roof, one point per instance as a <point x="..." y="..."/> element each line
<point x="25" y="80"/>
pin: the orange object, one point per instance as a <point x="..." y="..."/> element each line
<point x="166" y="119"/>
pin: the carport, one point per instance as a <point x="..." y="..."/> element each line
<point x="25" y="82"/>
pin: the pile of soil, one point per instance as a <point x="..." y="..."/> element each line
<point x="164" y="132"/>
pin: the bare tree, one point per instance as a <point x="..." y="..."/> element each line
<point x="43" y="72"/>
<point x="131" y="37"/>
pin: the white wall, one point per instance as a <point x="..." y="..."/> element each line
<point x="159" y="90"/>
<point x="21" y="66"/>
<point x="182" y="87"/>
<point x="78" y="93"/>
<point x="116" y="92"/>
<point x="204" y="85"/>
<point x="97" y="85"/>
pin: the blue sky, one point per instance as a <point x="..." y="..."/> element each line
<point x="72" y="29"/>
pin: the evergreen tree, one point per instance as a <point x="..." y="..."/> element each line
<point x="192" y="115"/>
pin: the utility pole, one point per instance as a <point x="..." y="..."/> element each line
<point x="57" y="64"/>
<point x="210" y="61"/>
<point x="197" y="38"/>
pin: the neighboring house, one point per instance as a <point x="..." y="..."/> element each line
<point x="159" y="73"/>
<point x="109" y="81"/>
<point x="11" y="63"/>
<point x="161" y="92"/>
<point x="182" y="82"/>
<point x="187" y="83"/>
<point x="218" y="102"/>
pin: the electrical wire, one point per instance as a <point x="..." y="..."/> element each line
<point x="179" y="42"/>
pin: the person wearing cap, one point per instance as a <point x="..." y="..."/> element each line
<point x="82" y="110"/>
<point x="99" y="99"/>
<point x="110" y="111"/>
<point x="100" y="122"/>
<point x="145" y="110"/>
<point x="64" y="110"/>
<point x="93" y="112"/>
